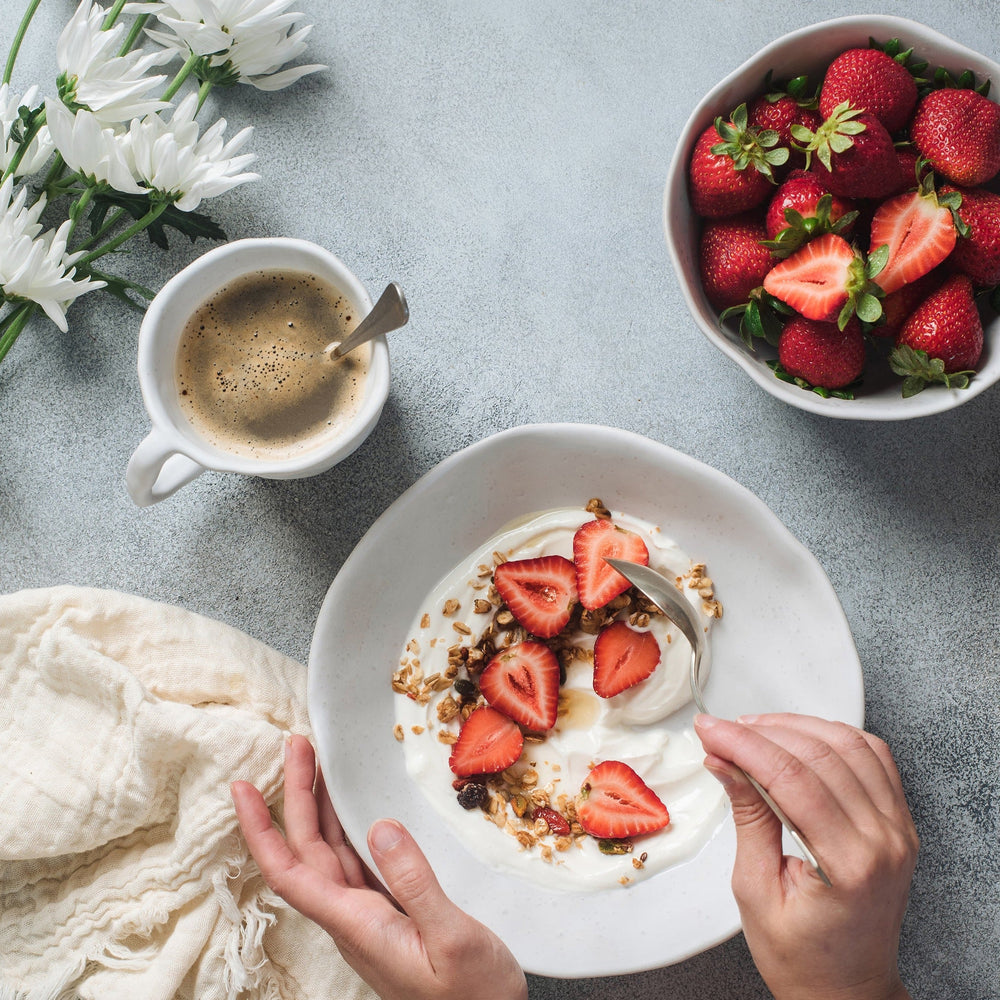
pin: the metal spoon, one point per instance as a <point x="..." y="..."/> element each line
<point x="664" y="595"/>
<point x="389" y="313"/>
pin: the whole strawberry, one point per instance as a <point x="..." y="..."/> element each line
<point x="778" y="112"/>
<point x="731" y="168"/>
<point x="821" y="353"/>
<point x="942" y="339"/>
<point x="801" y="192"/>
<point x="732" y="259"/>
<point x="898" y="306"/>
<point x="871" y="81"/>
<point x="852" y="154"/>
<point x="959" y="132"/>
<point x="978" y="254"/>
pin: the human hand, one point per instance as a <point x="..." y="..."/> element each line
<point x="415" y="946"/>
<point x="839" y="785"/>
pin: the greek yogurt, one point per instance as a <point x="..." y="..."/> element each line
<point x="642" y="726"/>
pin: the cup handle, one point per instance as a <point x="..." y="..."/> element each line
<point x="157" y="470"/>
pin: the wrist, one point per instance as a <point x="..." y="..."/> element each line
<point x="892" y="990"/>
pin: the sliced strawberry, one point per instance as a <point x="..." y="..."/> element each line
<point x="615" y="802"/>
<point x="919" y="232"/>
<point x="596" y="582"/>
<point x="825" y="280"/>
<point x="488" y="742"/>
<point x="539" y="592"/>
<point x="623" y="657"/>
<point x="522" y="681"/>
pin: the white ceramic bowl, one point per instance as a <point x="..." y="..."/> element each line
<point x="782" y="644"/>
<point x="810" y="50"/>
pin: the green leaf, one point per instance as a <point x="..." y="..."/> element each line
<point x="869" y="308"/>
<point x="913" y="384"/>
<point x="877" y="260"/>
<point x="194" y="225"/>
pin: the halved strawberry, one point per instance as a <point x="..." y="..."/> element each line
<point x="539" y="592"/>
<point x="615" y="802"/>
<point x="920" y="230"/>
<point x="487" y="743"/>
<point x="623" y="657"/>
<point x="826" y="280"/>
<point x="522" y="681"/>
<point x="596" y="582"/>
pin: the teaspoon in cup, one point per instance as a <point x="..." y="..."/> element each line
<point x="389" y="313"/>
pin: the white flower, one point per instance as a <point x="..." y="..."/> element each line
<point x="90" y="148"/>
<point x="37" y="267"/>
<point x="251" y="38"/>
<point x="115" y="88"/>
<point x="171" y="159"/>
<point x="40" y="148"/>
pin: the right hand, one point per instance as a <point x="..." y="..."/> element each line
<point x="839" y="785"/>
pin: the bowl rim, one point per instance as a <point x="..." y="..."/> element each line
<point x="676" y="211"/>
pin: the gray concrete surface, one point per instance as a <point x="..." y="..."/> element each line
<point x="505" y="163"/>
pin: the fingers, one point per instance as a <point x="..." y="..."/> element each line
<point x="802" y="794"/>
<point x="758" y="831"/>
<point x="411" y="881"/>
<point x="355" y="871"/>
<point x="866" y="756"/>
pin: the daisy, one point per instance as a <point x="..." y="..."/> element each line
<point x="171" y="159"/>
<point x="40" y="147"/>
<point x="92" y="76"/>
<point x="36" y="267"/>
<point x="90" y="148"/>
<point x="250" y="39"/>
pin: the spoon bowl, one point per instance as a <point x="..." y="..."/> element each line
<point x="389" y="313"/>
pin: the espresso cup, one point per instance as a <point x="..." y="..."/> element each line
<point x="175" y="451"/>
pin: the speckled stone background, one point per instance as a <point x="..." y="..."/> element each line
<point x="505" y="163"/>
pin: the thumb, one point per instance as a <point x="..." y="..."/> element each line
<point x="409" y="877"/>
<point x="758" y="830"/>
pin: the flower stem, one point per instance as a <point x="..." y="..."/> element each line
<point x="15" y="161"/>
<point x="18" y="38"/>
<point x="182" y="75"/>
<point x="116" y="217"/>
<point x="133" y="34"/>
<point x="123" y="237"/>
<point x="203" y="91"/>
<point x="146" y="293"/>
<point x="77" y="209"/>
<point x="113" y="14"/>
<point x="12" y="325"/>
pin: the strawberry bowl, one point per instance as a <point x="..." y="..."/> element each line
<point x="810" y="51"/>
<point x="782" y="644"/>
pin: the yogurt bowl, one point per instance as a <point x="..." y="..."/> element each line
<point x="810" y="50"/>
<point x="781" y="644"/>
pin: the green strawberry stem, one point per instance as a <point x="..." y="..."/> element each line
<point x="835" y="135"/>
<point x="749" y="146"/>
<point x="919" y="370"/>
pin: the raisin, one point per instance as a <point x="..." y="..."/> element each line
<point x="473" y="795"/>
<point x="466" y="689"/>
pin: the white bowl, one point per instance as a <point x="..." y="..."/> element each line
<point x="810" y="50"/>
<point x="782" y="644"/>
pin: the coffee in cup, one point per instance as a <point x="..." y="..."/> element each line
<point x="253" y="374"/>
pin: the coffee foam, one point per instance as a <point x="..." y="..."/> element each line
<point x="251" y="372"/>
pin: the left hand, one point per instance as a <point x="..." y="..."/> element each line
<point x="413" y="945"/>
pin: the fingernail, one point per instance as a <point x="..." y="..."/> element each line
<point x="705" y="721"/>
<point x="385" y="835"/>
<point x="748" y="720"/>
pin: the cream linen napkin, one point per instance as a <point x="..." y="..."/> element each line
<point x="123" y="875"/>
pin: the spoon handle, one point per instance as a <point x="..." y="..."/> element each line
<point x="389" y="313"/>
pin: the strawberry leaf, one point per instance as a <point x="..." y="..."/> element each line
<point x="919" y="371"/>
<point x="781" y="373"/>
